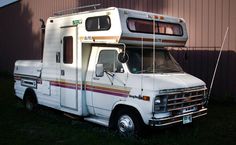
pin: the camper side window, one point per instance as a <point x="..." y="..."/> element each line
<point x="161" y="28"/>
<point x="68" y="49"/>
<point x="99" y="23"/>
<point x="109" y="60"/>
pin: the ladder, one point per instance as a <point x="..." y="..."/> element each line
<point x="75" y="10"/>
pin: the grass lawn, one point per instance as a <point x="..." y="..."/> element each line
<point x="47" y="126"/>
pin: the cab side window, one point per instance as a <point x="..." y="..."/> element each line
<point x="109" y="60"/>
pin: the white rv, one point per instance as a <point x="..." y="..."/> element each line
<point x="112" y="67"/>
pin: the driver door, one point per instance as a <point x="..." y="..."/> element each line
<point x="106" y="90"/>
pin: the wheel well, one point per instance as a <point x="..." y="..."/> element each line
<point x="119" y="108"/>
<point x="30" y="93"/>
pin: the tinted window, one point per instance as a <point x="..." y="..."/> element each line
<point x="109" y="60"/>
<point x="146" y="26"/>
<point x="98" y="23"/>
<point x="68" y="49"/>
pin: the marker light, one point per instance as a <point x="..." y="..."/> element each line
<point x="156" y="17"/>
<point x="146" y="98"/>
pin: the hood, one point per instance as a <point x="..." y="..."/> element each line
<point x="157" y="82"/>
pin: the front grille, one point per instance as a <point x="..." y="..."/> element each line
<point x="186" y="100"/>
<point x="180" y="101"/>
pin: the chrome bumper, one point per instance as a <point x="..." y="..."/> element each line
<point x="176" y="119"/>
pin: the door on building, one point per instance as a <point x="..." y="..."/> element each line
<point x="69" y="69"/>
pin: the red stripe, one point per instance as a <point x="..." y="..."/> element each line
<point x="17" y="78"/>
<point x="65" y="85"/>
<point x="110" y="91"/>
<point x="98" y="89"/>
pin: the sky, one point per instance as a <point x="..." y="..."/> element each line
<point x="6" y="2"/>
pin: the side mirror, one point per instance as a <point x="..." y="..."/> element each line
<point x="123" y="57"/>
<point x="99" y="70"/>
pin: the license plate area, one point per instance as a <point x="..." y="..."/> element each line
<point x="187" y="119"/>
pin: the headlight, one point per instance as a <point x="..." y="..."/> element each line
<point x="160" y="104"/>
<point x="157" y="100"/>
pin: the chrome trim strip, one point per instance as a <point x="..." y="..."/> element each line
<point x="181" y="91"/>
<point x="178" y="118"/>
<point x="200" y="115"/>
<point x="179" y="103"/>
<point x="185" y="107"/>
<point x="190" y="113"/>
<point x="182" y="98"/>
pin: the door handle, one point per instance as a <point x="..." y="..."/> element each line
<point x="62" y="72"/>
<point x="96" y="78"/>
<point x="57" y="57"/>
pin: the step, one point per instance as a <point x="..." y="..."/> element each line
<point x="98" y="120"/>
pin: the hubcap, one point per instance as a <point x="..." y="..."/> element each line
<point x="126" y="125"/>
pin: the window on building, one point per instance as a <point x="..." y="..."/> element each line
<point x="99" y="23"/>
<point x="109" y="60"/>
<point x="68" y="49"/>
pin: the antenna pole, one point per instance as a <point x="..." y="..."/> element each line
<point x="217" y="63"/>
<point x="142" y="64"/>
<point x="154" y="51"/>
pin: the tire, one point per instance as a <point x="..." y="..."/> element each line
<point x="30" y="102"/>
<point x="128" y="123"/>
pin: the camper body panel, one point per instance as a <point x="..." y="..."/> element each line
<point x="139" y="35"/>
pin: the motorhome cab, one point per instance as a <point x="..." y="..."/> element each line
<point x="111" y="66"/>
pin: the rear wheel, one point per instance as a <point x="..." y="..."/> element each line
<point x="30" y="102"/>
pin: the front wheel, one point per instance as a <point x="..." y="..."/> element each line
<point x="128" y="123"/>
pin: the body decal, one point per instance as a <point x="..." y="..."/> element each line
<point x="95" y="87"/>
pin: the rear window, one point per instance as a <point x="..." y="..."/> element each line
<point x="99" y="23"/>
<point x="146" y="26"/>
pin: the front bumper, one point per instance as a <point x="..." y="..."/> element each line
<point x="176" y="119"/>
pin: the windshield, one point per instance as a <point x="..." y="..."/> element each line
<point x="164" y="62"/>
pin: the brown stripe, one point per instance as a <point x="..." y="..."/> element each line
<point x="137" y="39"/>
<point x="64" y="83"/>
<point x="173" y="41"/>
<point x="105" y="37"/>
<point x="108" y="89"/>
<point x="151" y="40"/>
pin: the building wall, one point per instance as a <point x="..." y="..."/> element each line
<point x="206" y="20"/>
<point x="20" y="29"/>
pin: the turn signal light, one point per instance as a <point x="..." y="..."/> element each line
<point x="146" y="98"/>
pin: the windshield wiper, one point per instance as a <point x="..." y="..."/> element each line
<point x="143" y="71"/>
<point x="168" y="70"/>
<point x="163" y="67"/>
